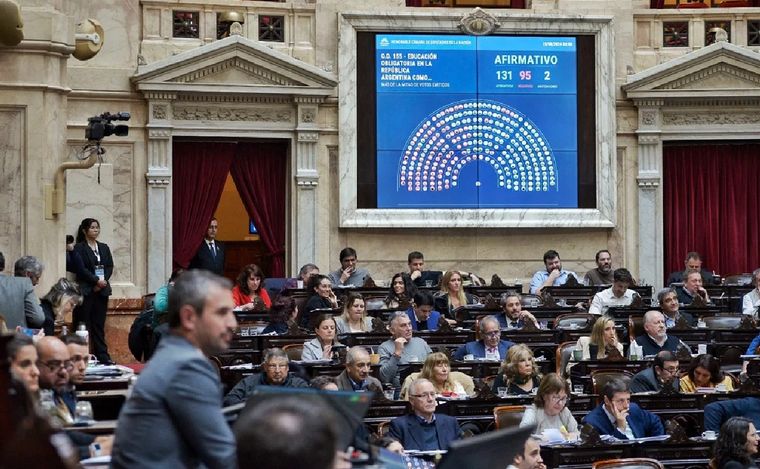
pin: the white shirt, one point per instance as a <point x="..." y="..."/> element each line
<point x="605" y="298"/>
<point x="750" y="303"/>
<point x="627" y="432"/>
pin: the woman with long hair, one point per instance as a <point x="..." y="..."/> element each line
<point x="549" y="409"/>
<point x="248" y="287"/>
<point x="452" y="294"/>
<point x="602" y="340"/>
<point x="94" y="284"/>
<point x="401" y="292"/>
<point x="704" y="372"/>
<point x="282" y="315"/>
<point x="437" y="370"/>
<point x="736" y="445"/>
<point x="321" y="347"/>
<point x="518" y="372"/>
<point x="354" y="318"/>
<point x="322" y="297"/>
<point x="23" y="357"/>
<point x="59" y="303"/>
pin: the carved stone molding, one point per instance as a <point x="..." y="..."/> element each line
<point x="649" y="139"/>
<point x="723" y="69"/>
<point x="307" y="182"/>
<point x="648" y="118"/>
<point x="159" y="111"/>
<point x="308" y="115"/>
<point x="257" y="73"/>
<point x="158" y="180"/>
<point x="308" y="99"/>
<point x="711" y="118"/>
<point x="648" y="102"/>
<point x="159" y="133"/>
<point x="160" y="95"/>
<point x="648" y="182"/>
<point x="233" y="98"/>
<point x="308" y="137"/>
<point x="478" y="23"/>
<point x="232" y="114"/>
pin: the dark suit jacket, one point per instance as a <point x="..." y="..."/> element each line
<point x="18" y="303"/>
<point x="478" y="349"/>
<point x="407" y="429"/>
<point x="716" y="413"/>
<point x="650" y="347"/>
<point x="642" y="422"/>
<point x="677" y="277"/>
<point x="205" y="260"/>
<point x="645" y="381"/>
<point x="432" y="321"/>
<point x="344" y="383"/>
<point x="86" y="277"/>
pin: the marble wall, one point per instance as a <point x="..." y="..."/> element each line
<point x="12" y="130"/>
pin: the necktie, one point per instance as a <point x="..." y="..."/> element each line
<point x="213" y="248"/>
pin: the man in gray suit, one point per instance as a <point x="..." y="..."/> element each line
<point x="18" y="303"/>
<point x="174" y="418"/>
<point x="356" y="375"/>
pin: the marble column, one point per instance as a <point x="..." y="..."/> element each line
<point x="159" y="177"/>
<point x="651" y="253"/>
<point x="304" y="228"/>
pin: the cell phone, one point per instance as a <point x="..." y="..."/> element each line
<point x="30" y="332"/>
<point x="95" y="449"/>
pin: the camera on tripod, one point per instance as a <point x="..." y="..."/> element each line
<point x="102" y="126"/>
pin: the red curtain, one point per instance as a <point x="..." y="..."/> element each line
<point x="259" y="174"/>
<point x="199" y="171"/>
<point x="711" y="201"/>
<point x="656" y="3"/>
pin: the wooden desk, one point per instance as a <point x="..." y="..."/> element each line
<point x="100" y="427"/>
<point x="105" y="404"/>
<point x="691" y="454"/>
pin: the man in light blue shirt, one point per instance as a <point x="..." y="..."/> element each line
<point x="553" y="276"/>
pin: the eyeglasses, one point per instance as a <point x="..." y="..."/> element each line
<point x="557" y="399"/>
<point x="424" y="395"/>
<point x="56" y="365"/>
<point x="492" y="334"/>
<point x="671" y="369"/>
<point x="280" y="366"/>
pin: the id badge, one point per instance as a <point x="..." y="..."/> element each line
<point x="100" y="272"/>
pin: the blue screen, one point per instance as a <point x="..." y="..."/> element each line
<point x="477" y="122"/>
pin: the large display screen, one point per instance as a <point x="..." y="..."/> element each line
<point x="476" y="122"/>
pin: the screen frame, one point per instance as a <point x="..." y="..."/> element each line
<point x="352" y="216"/>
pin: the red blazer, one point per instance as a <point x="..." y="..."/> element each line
<point x="241" y="298"/>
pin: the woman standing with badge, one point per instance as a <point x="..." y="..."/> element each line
<point x="93" y="282"/>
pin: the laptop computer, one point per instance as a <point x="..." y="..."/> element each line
<point x="491" y="450"/>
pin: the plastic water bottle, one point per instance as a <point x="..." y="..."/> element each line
<point x="82" y="332"/>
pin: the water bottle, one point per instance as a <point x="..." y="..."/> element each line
<point x="82" y="332"/>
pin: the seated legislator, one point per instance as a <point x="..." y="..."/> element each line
<point x="618" y="417"/>
<point x="348" y="275"/>
<point x="602" y="340"/>
<point x="400" y="349"/>
<point x="401" y="292"/>
<point x="663" y="372"/>
<point x="490" y="346"/>
<point x="437" y="370"/>
<point x="530" y="458"/>
<point x="751" y="300"/>
<point x="276" y="365"/>
<point x="23" y="363"/>
<point x="514" y="317"/>
<point x="321" y="347"/>
<point x="322" y="297"/>
<point x="602" y="274"/>
<point x="173" y="417"/>
<point x="422" y="313"/>
<point x="656" y="338"/>
<point x="417" y="272"/>
<point x="716" y="413"/>
<point x="693" y="262"/>
<point x="248" y="287"/>
<point x="736" y="445"/>
<point x="692" y="287"/>
<point x="423" y="429"/>
<point x="324" y="383"/>
<point x="668" y="299"/>
<point x="617" y="295"/>
<point x="552" y="276"/>
<point x="282" y="315"/>
<point x="452" y="294"/>
<point x="354" y="318"/>
<point x="518" y="372"/>
<point x="356" y="375"/>
<point x="704" y="372"/>
<point x="306" y="271"/>
<point x="549" y="409"/>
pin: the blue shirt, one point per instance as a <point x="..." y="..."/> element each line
<point x="542" y="275"/>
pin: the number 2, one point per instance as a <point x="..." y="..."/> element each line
<point x="547" y="75"/>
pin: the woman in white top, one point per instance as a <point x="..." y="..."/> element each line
<point x="320" y="348"/>
<point x="354" y="318"/>
<point x="549" y="410"/>
<point x="751" y="300"/>
<point x="437" y="370"/>
<point x="603" y="339"/>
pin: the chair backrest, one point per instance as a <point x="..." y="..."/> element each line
<point x="383" y="428"/>
<point x="575" y="321"/>
<point x="635" y="327"/>
<point x="489" y="380"/>
<point x="294" y="351"/>
<point x="727" y="322"/>
<point x="600" y="377"/>
<point x="508" y="416"/>
<point x="564" y="352"/>
<point x="738" y="279"/>
<point x="374" y="303"/>
<point x="531" y="301"/>
<point x="629" y="463"/>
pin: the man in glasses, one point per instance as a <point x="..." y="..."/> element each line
<point x="618" y="417"/>
<point x="664" y="371"/>
<point x="423" y="429"/>
<point x="490" y="346"/>
<point x="276" y="367"/>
